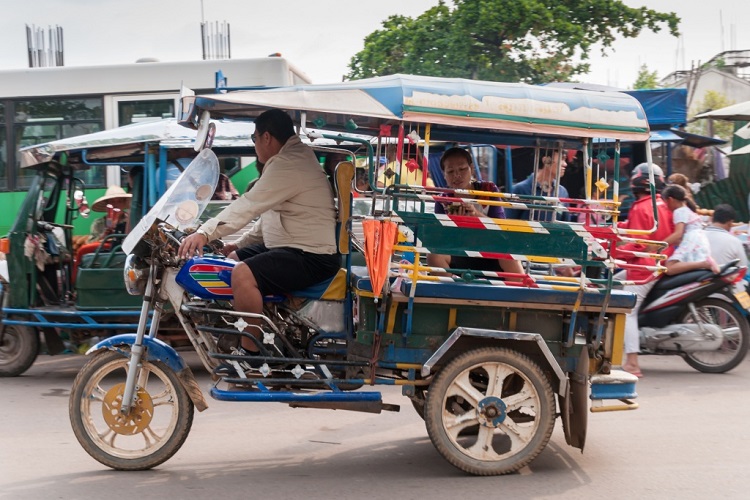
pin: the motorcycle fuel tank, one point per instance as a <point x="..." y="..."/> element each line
<point x="207" y="277"/>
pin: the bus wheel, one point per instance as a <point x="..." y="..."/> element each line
<point x="18" y="349"/>
<point x="490" y="411"/>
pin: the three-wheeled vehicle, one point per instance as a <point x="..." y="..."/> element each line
<point x="49" y="287"/>
<point x="488" y="359"/>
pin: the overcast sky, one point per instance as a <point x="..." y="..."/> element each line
<point x="321" y="36"/>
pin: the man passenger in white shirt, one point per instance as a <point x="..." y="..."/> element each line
<point x="725" y="246"/>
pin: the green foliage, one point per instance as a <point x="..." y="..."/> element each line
<point x="646" y="79"/>
<point x="711" y="100"/>
<point x="533" y="41"/>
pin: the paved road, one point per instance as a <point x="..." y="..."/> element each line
<point x="689" y="439"/>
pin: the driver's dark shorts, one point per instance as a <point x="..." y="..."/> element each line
<point x="283" y="269"/>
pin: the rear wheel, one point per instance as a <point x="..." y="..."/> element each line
<point x="18" y="350"/>
<point x="490" y="411"/>
<point x="150" y="433"/>
<point x="736" y="336"/>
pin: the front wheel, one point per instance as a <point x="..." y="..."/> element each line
<point x="736" y="336"/>
<point x="18" y="350"/>
<point x="156" y="426"/>
<point x="490" y="411"/>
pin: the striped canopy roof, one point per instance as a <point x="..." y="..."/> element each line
<point x="446" y="103"/>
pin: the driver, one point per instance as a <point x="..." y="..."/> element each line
<point x="292" y="245"/>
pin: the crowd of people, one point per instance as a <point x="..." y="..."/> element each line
<point x="690" y="245"/>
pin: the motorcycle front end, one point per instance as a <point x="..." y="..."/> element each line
<point x="131" y="406"/>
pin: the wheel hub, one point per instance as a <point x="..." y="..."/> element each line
<point x="491" y="411"/>
<point x="135" y="421"/>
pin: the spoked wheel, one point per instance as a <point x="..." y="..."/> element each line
<point x="490" y="411"/>
<point x="735" y="328"/>
<point x="18" y="350"/>
<point x="154" y="429"/>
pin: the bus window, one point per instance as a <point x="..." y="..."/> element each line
<point x="38" y="121"/>
<point x="144" y="110"/>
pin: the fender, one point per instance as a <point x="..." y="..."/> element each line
<point x="157" y="350"/>
<point x="499" y="335"/>
<point x="729" y="296"/>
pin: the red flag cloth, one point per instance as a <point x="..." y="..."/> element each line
<point x="380" y="236"/>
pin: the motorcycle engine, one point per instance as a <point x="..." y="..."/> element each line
<point x="682" y="337"/>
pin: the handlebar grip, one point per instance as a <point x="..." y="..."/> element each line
<point x="213" y="246"/>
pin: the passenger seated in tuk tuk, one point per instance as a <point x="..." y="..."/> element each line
<point x="456" y="164"/>
<point x="293" y="244"/>
<point x="409" y="173"/>
<point x="544" y="185"/>
<point x="114" y="204"/>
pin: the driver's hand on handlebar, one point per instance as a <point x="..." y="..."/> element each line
<point x="228" y="248"/>
<point x="192" y="245"/>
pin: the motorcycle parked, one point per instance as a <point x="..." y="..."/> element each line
<point x="698" y="315"/>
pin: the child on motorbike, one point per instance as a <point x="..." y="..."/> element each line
<point x="693" y="250"/>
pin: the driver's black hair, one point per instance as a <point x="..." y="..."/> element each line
<point x="277" y="123"/>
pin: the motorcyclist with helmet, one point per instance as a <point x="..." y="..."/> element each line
<point x="641" y="217"/>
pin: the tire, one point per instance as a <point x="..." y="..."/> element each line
<point x="513" y="420"/>
<point x="156" y="427"/>
<point x="736" y="341"/>
<point x="19" y="349"/>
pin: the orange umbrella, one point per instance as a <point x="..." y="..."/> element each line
<point x="380" y="236"/>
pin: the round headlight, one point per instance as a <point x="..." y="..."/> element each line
<point x="135" y="275"/>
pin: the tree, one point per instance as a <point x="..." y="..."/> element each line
<point x="646" y="79"/>
<point x="533" y="41"/>
<point x="722" y="128"/>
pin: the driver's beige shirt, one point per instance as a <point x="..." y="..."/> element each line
<point x="294" y="201"/>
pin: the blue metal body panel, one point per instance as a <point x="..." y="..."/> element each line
<point x="477" y="291"/>
<point x="472" y="291"/>
<point x="266" y="396"/>
<point x="195" y="270"/>
<point x="88" y="319"/>
<point x="613" y="391"/>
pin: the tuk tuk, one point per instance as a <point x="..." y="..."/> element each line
<point x="488" y="359"/>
